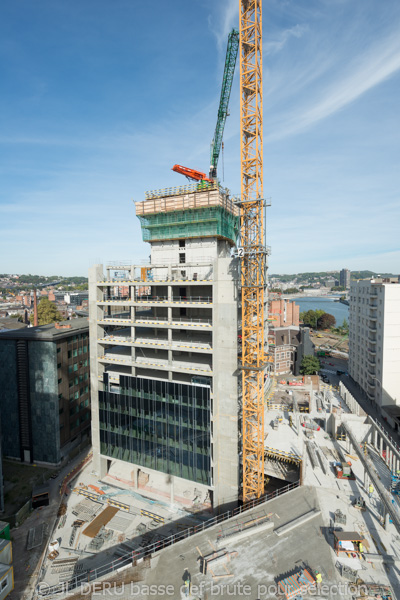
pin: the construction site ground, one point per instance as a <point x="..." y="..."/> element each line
<point x="327" y="339"/>
<point x="105" y="533"/>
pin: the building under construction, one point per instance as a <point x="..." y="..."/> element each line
<point x="170" y="389"/>
<point x="165" y="377"/>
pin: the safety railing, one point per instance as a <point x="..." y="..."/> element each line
<point x="135" y="555"/>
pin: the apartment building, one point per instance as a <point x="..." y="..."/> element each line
<point x="44" y="390"/>
<point x="165" y="359"/>
<point x="374" y="340"/>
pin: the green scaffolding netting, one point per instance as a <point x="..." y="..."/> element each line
<point x="213" y="221"/>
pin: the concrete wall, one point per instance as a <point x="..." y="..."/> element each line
<point x="95" y="332"/>
<point x="225" y="411"/>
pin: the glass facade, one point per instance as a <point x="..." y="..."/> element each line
<point x="161" y="425"/>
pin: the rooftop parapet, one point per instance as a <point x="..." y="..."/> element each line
<point x="188" y="197"/>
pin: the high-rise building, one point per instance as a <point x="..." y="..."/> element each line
<point x="344" y="278"/>
<point x="374" y="339"/>
<point x="44" y="390"/>
<point x="165" y="355"/>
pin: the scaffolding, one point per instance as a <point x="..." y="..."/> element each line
<point x="213" y="221"/>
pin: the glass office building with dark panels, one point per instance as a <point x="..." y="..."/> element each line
<point x="161" y="425"/>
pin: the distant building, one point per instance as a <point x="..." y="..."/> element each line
<point x="284" y="313"/>
<point x="344" y="278"/>
<point x="44" y="390"/>
<point x="374" y="341"/>
<point x="288" y="346"/>
<point x="76" y="298"/>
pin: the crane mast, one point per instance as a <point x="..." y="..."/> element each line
<point x="252" y="249"/>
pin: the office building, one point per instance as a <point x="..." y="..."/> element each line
<point x="344" y="278"/>
<point x="44" y="390"/>
<point x="165" y="358"/>
<point x="374" y="340"/>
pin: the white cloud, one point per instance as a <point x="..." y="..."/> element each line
<point x="366" y="71"/>
<point x="274" y="46"/>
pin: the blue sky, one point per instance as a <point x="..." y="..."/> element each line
<point x="100" y="98"/>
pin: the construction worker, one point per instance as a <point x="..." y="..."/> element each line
<point x="370" y="490"/>
<point x="361" y="547"/>
<point x="318" y="577"/>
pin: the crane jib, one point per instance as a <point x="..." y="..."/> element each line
<point x="229" y="71"/>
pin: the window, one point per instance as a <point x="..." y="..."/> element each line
<point x="76" y="381"/>
<point x="86" y="402"/>
<point x="59" y="396"/>
<point x="86" y="389"/>
<point x="69" y="354"/>
<point x="182" y="258"/>
<point x="182" y="243"/>
<point x="76" y="396"/>
<point x="58" y="365"/>
<point x="75" y="366"/>
<point x="84" y="349"/>
<point x="80" y="351"/>
<point x="75" y="353"/>
<point x="86" y="377"/>
<point x="59" y="381"/>
<point x="58" y="350"/>
<point x="85" y="362"/>
<point x="70" y="367"/>
<point x="70" y="383"/>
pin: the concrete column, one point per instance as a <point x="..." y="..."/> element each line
<point x="95" y="331"/>
<point x="373" y="436"/>
<point x="386" y="520"/>
<point x="169" y="293"/>
<point x="366" y="480"/>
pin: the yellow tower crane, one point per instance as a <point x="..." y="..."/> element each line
<point x="252" y="250"/>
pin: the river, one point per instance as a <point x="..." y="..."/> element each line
<point x="326" y="303"/>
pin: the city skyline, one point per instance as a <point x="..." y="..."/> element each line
<point x="99" y="105"/>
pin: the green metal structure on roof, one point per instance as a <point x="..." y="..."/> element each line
<point x="213" y="221"/>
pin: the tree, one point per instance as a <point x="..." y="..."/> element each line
<point x="310" y="317"/>
<point x="326" y="321"/>
<point x="47" y="312"/>
<point x="310" y="365"/>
